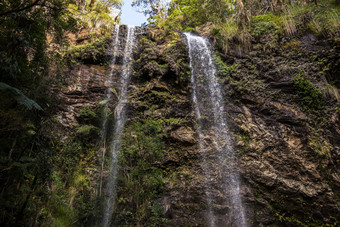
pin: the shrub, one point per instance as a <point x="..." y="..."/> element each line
<point x="265" y="25"/>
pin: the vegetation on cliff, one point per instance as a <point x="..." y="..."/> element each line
<point x="278" y="63"/>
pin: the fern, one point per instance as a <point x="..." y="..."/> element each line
<point x="85" y="129"/>
<point x="103" y="102"/>
<point x="20" y="97"/>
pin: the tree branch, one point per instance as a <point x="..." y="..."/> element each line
<point x="36" y="2"/>
<point x="153" y="7"/>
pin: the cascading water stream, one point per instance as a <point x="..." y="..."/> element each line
<point x="114" y="44"/>
<point x="209" y="111"/>
<point x="114" y="48"/>
<point x="119" y="122"/>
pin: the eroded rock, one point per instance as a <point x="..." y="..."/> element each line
<point x="184" y="134"/>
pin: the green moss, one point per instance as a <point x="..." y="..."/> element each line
<point x="246" y="85"/>
<point x="244" y="137"/>
<point x="89" y="53"/>
<point x="292" y="45"/>
<point x="321" y="148"/>
<point x="310" y="98"/>
<point x="170" y="121"/>
<point x="64" y="216"/>
<point x="188" y="29"/>
<point x="162" y="67"/>
<point x="223" y="69"/>
<point x="144" y="40"/>
<point x="286" y="218"/>
<point x="163" y="94"/>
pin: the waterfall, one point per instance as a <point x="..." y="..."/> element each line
<point x="119" y="122"/>
<point x="114" y="44"/>
<point x="114" y="48"/>
<point x="214" y="136"/>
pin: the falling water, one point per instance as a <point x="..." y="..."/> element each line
<point x="114" y="48"/>
<point x="109" y="84"/>
<point x="209" y="111"/>
<point x="120" y="112"/>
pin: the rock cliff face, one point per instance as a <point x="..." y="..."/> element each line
<point x="282" y="104"/>
<point x="85" y="87"/>
<point x="290" y="148"/>
<point x="86" y="82"/>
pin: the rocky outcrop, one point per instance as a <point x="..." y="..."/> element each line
<point x="288" y="149"/>
<point x="288" y="154"/>
<point x="86" y="86"/>
<point x="184" y="134"/>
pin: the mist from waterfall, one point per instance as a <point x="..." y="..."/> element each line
<point x="210" y="116"/>
<point x="119" y="122"/>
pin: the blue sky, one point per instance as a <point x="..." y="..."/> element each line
<point x="130" y="16"/>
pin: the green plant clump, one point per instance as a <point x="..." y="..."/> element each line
<point x="311" y="99"/>
<point x="90" y="53"/>
<point x="85" y="129"/>
<point x="87" y="115"/>
<point x="223" y="69"/>
<point x="264" y="25"/>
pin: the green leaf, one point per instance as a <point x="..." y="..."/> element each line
<point x="20" y="97"/>
<point x="103" y="102"/>
<point x="114" y="91"/>
<point x="85" y="129"/>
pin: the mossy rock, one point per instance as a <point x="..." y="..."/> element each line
<point x="91" y="53"/>
<point x="310" y="98"/>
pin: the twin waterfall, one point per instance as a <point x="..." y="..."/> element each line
<point x="214" y="139"/>
<point x="119" y="122"/>
<point x="209" y="111"/>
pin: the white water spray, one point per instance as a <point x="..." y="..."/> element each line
<point x="209" y="111"/>
<point x="109" y="84"/>
<point x="119" y="122"/>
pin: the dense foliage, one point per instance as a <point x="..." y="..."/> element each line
<point x="32" y="33"/>
<point x="141" y="181"/>
<point x="231" y="21"/>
